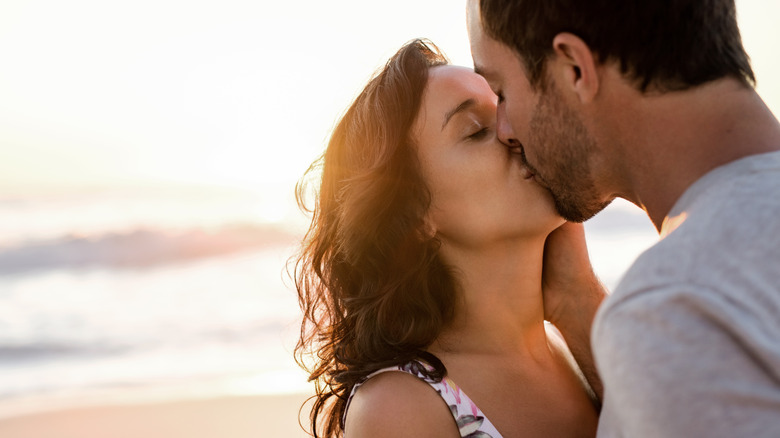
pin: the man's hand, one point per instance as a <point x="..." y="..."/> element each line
<point x="572" y="294"/>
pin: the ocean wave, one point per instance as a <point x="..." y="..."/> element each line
<point x="112" y="344"/>
<point x="43" y="351"/>
<point x="141" y="248"/>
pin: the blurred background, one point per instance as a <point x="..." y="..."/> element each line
<point x="149" y="152"/>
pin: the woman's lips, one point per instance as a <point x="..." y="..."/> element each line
<point x="527" y="174"/>
<point x="517" y="149"/>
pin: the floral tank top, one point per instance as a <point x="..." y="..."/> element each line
<point x="471" y="422"/>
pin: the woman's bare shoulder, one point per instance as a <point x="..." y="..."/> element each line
<point x="393" y="404"/>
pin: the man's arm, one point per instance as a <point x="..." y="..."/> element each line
<point x="572" y="295"/>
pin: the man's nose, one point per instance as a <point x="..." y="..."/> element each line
<point x="503" y="128"/>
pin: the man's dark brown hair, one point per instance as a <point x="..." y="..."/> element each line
<point x="662" y="45"/>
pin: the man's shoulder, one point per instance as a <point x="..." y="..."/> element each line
<point x="729" y="189"/>
<point x="726" y="226"/>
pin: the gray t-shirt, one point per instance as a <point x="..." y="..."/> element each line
<point x="688" y="345"/>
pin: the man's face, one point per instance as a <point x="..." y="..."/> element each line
<point x="549" y="135"/>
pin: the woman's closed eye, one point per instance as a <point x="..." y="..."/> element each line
<point x="480" y="134"/>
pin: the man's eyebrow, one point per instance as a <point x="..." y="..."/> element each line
<point x="466" y="104"/>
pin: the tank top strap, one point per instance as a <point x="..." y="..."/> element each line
<point x="471" y="422"/>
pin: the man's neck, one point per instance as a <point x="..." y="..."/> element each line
<point x="680" y="136"/>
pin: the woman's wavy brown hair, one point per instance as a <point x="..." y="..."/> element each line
<point x="373" y="289"/>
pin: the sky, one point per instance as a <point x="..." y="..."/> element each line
<point x="228" y="93"/>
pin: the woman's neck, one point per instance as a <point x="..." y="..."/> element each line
<point x="500" y="310"/>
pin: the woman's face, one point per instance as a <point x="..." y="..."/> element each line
<point x="481" y="192"/>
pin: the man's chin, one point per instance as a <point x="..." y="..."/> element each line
<point x="577" y="210"/>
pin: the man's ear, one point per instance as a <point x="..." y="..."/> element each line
<point x="575" y="66"/>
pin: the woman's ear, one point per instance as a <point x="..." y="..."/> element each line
<point x="574" y="66"/>
<point x="429" y="229"/>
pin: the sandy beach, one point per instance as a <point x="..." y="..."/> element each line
<point x="234" y="417"/>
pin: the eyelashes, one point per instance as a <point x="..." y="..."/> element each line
<point x="482" y="133"/>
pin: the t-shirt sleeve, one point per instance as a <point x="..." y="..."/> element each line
<point x="686" y="362"/>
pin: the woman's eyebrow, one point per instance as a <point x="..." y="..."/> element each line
<point x="466" y="104"/>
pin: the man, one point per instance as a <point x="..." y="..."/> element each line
<point x="653" y="101"/>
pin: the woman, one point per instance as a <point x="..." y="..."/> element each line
<point x="424" y="258"/>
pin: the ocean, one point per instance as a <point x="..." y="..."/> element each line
<point x="138" y="295"/>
